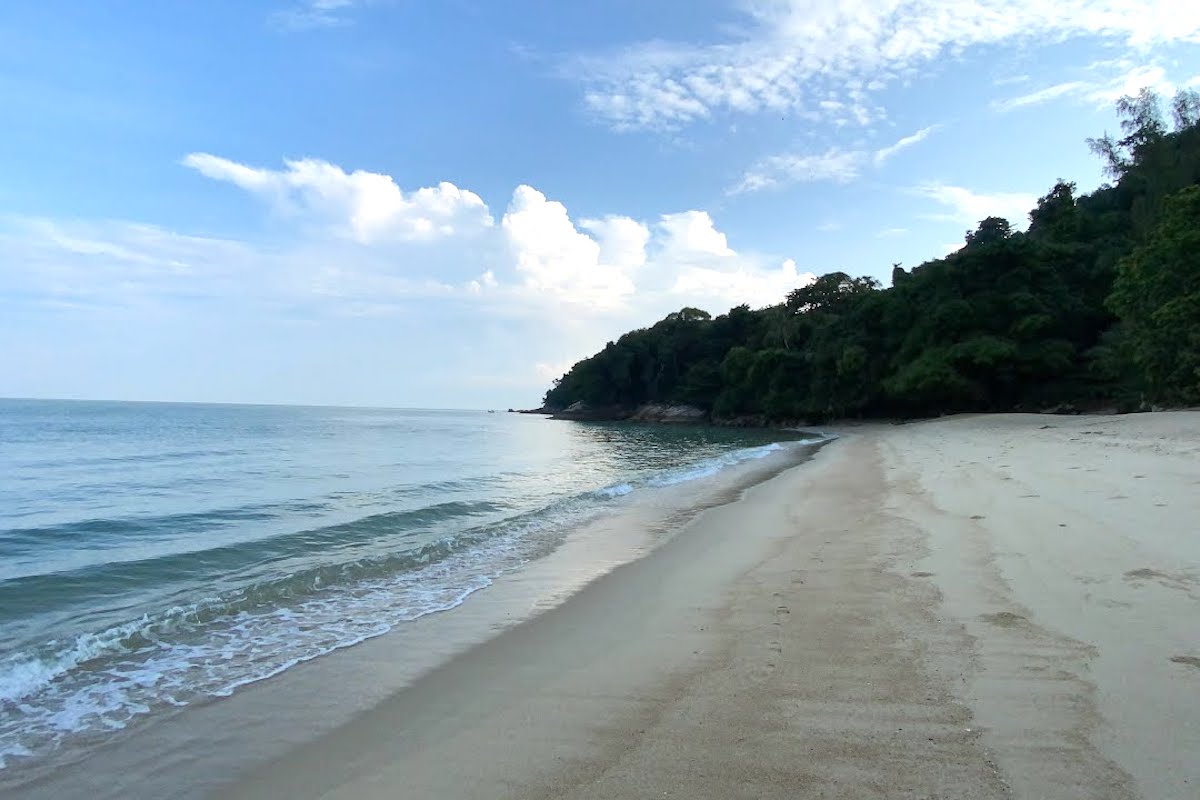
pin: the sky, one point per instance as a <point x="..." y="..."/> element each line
<point x="408" y="203"/>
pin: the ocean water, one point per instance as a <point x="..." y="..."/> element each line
<point x="154" y="555"/>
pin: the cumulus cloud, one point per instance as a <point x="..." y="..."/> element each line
<point x="364" y="246"/>
<point x="754" y="287"/>
<point x="553" y="256"/>
<point x="692" y="235"/>
<point x="823" y="58"/>
<point x="622" y="240"/>
<point x="540" y="288"/>
<point x="365" y="206"/>
<point x="969" y="207"/>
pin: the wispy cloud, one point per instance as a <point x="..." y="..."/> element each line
<point x="970" y="207"/>
<point x="835" y="165"/>
<point x="1040" y="96"/>
<point x="1121" y="78"/>
<point x="882" y="155"/>
<point x="1010" y="80"/>
<point x="309" y="14"/>
<point x="891" y="233"/>
<point x="829" y="59"/>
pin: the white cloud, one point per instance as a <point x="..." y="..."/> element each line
<point x="834" y="165"/>
<point x="622" y="240"/>
<point x="888" y="233"/>
<point x="1193" y="82"/>
<point x="539" y="283"/>
<point x="970" y="207"/>
<point x="309" y="14"/>
<point x="1101" y="90"/>
<point x="755" y="287"/>
<point x="365" y="206"/>
<point x="553" y="256"/>
<point x="882" y="155"/>
<point x="1130" y="82"/>
<point x="692" y="235"/>
<point x="362" y="246"/>
<point x="114" y="265"/>
<point x="1040" y="96"/>
<point x="805" y="55"/>
<point x="1010" y="80"/>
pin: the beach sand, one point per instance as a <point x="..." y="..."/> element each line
<point x="976" y="607"/>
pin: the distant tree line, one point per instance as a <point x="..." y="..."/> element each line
<point x="1096" y="305"/>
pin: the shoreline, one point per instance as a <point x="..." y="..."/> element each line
<point x="861" y="635"/>
<point x="192" y="750"/>
<point x="989" y="606"/>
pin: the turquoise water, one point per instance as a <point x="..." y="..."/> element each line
<point x="155" y="554"/>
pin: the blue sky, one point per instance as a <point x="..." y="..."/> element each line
<point x="401" y="203"/>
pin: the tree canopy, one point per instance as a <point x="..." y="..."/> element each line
<point x="1096" y="304"/>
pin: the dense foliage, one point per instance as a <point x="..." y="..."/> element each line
<point x="1096" y="304"/>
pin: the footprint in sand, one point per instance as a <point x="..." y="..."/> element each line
<point x="921" y="574"/>
<point x="977" y="516"/>
<point x="1190" y="661"/>
<point x="1145" y="573"/>
<point x="1004" y="619"/>
<point x="1181" y="581"/>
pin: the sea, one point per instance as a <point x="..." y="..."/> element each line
<point x="158" y="556"/>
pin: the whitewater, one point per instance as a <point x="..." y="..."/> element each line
<point x="158" y="556"/>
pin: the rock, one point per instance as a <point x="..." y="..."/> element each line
<point x="582" y="412"/>
<point x="664" y="412"/>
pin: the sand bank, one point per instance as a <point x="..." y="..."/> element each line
<point x="976" y="607"/>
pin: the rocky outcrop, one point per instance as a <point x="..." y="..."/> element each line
<point x="650" y="412"/>
<point x="582" y="412"/>
<point x="665" y="412"/>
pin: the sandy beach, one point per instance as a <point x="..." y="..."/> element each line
<point x="992" y="606"/>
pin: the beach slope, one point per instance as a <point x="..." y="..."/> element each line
<point x="1002" y="606"/>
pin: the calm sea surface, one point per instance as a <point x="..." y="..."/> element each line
<point x="155" y="554"/>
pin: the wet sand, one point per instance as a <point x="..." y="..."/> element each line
<point x="1001" y="606"/>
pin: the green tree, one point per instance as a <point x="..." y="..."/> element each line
<point x="1157" y="296"/>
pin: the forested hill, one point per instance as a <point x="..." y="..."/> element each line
<point x="1096" y="305"/>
